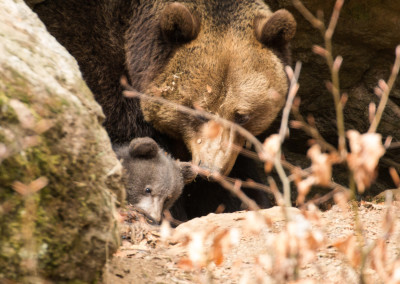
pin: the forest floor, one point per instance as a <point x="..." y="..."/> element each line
<point x="248" y="251"/>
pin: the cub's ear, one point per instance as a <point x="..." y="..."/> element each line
<point x="144" y="147"/>
<point x="277" y="30"/>
<point x="188" y="172"/>
<point x="178" y="24"/>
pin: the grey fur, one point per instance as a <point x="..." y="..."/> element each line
<point x="147" y="166"/>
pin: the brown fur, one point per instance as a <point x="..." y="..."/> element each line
<point x="153" y="180"/>
<point x="246" y="78"/>
<point x="180" y="50"/>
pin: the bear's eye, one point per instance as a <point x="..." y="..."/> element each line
<point x="241" y="118"/>
<point x="202" y="118"/>
<point x="147" y="190"/>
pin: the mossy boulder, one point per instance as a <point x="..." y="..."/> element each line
<point x="59" y="178"/>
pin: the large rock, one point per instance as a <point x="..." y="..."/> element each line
<point x="366" y="37"/>
<point x="50" y="133"/>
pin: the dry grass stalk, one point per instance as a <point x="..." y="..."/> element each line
<point x="386" y="88"/>
<point x="333" y="64"/>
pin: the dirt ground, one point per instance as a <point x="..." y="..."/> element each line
<point x="253" y="257"/>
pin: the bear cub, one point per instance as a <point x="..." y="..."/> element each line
<point x="153" y="180"/>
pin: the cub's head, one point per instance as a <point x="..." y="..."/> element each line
<point x="153" y="180"/>
<point x="225" y="57"/>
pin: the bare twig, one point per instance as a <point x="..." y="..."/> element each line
<point x="334" y="19"/>
<point x="292" y="168"/>
<point x="386" y="91"/>
<point x="226" y="123"/>
<point x="293" y="88"/>
<point x="233" y="186"/>
<point x="333" y="64"/>
<point x="131" y="93"/>
<point x="310" y="130"/>
<point x="308" y="15"/>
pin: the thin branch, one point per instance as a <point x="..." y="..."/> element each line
<point x="293" y="88"/>
<point x="233" y="187"/>
<point x="310" y="130"/>
<point x="304" y="173"/>
<point x="131" y="93"/>
<point x="334" y="19"/>
<point x="386" y="92"/>
<point x="308" y="15"/>
<point x="333" y="64"/>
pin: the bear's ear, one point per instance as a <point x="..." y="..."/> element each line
<point x="145" y="148"/>
<point x="277" y="30"/>
<point x="178" y="24"/>
<point x="188" y="172"/>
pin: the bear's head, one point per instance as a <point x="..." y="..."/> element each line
<point x="153" y="180"/>
<point x="224" y="57"/>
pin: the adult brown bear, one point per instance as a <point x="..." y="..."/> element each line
<point x="225" y="56"/>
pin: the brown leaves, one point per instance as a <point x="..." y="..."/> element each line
<point x="366" y="150"/>
<point x="24" y="114"/>
<point x="295" y="246"/>
<point x="395" y="176"/>
<point x="349" y="247"/>
<point x="31" y="188"/>
<point x="321" y="171"/>
<point x="271" y="148"/>
<point x="321" y="165"/>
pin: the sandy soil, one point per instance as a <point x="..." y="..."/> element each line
<point x="254" y="256"/>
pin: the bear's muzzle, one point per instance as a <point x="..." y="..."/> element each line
<point x="217" y="153"/>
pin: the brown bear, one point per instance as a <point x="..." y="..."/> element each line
<point x="224" y="56"/>
<point x="153" y="180"/>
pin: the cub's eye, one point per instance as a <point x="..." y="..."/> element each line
<point x="241" y="118"/>
<point x="147" y="190"/>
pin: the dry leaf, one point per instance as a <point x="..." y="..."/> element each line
<point x="196" y="249"/>
<point x="185" y="263"/>
<point x="395" y="277"/>
<point x="271" y="148"/>
<point x="23" y="113"/>
<point x="38" y="184"/>
<point x="366" y="150"/>
<point x="43" y="125"/>
<point x="321" y="165"/>
<point x="165" y="230"/>
<point x="254" y="222"/>
<point x="349" y="248"/>
<point x="20" y="188"/>
<point x="341" y="199"/>
<point x="395" y="176"/>
<point x="303" y="188"/>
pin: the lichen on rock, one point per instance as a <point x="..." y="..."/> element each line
<point x="51" y="129"/>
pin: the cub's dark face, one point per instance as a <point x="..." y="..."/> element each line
<point x="152" y="185"/>
<point x="224" y="57"/>
<point x="153" y="180"/>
